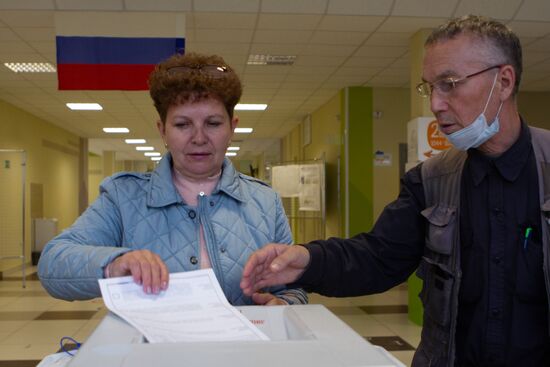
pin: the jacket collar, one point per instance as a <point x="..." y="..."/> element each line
<point x="162" y="191"/>
<point x="230" y="183"/>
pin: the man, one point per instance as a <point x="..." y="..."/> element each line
<point x="473" y="220"/>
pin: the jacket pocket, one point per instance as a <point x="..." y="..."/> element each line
<point x="436" y="290"/>
<point x="438" y="278"/>
<point x="441" y="228"/>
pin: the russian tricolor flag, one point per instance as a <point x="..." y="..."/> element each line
<point x="114" y="51"/>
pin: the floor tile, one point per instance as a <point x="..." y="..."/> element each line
<point x="66" y="315"/>
<point x="373" y="309"/>
<point x="405" y="357"/>
<point x="20" y="363"/>
<point x="346" y="310"/>
<point x="27" y="351"/>
<point x="400" y="325"/>
<point x="7" y="328"/>
<point x="390" y="343"/>
<point x="23" y="315"/>
<point x="17" y="278"/>
<point x="30" y="304"/>
<point x="11" y="326"/>
<point x="24" y="293"/>
<point x="48" y="332"/>
<point x="6" y="300"/>
<point x="85" y="331"/>
<point x="91" y="305"/>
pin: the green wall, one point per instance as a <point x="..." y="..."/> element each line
<point x="357" y="125"/>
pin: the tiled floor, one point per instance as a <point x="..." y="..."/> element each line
<point x="32" y="323"/>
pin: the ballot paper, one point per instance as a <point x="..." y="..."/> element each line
<point x="193" y="308"/>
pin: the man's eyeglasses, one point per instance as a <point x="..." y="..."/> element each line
<point x="446" y="85"/>
<point x="213" y="71"/>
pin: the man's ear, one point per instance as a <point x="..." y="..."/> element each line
<point x="507" y="81"/>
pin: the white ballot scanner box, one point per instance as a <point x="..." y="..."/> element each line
<point x="301" y="335"/>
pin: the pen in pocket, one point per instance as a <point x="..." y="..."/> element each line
<point x="528" y="231"/>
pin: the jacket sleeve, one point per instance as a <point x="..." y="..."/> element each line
<point x="72" y="263"/>
<point x="290" y="295"/>
<point x="372" y="262"/>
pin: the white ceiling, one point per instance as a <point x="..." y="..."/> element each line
<point x="338" y="43"/>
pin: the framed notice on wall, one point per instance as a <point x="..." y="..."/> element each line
<point x="301" y="186"/>
<point x="304" y="181"/>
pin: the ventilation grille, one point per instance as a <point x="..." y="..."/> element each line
<point x="270" y="60"/>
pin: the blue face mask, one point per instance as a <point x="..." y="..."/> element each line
<point x="478" y="132"/>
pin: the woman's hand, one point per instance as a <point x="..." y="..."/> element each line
<point x="144" y="266"/>
<point x="267" y="299"/>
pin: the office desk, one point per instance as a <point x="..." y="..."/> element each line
<point x="301" y="335"/>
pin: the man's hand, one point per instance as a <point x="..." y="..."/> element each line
<point x="144" y="266"/>
<point x="274" y="264"/>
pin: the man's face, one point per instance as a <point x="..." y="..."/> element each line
<point x="458" y="58"/>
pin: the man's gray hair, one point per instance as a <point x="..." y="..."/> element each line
<point x="505" y="42"/>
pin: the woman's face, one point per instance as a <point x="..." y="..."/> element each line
<point x="197" y="134"/>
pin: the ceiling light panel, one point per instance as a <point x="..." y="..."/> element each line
<point x="135" y="141"/>
<point x="30" y="67"/>
<point x="116" y="130"/>
<point x="85" y="106"/>
<point x="243" y="130"/>
<point x="250" y="107"/>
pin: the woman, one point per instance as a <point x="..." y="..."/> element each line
<point x="194" y="211"/>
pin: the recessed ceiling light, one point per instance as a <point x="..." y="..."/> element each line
<point x="271" y="59"/>
<point x="30" y="67"/>
<point x="230" y="154"/>
<point x="85" y="106"/>
<point x="250" y="106"/>
<point x="156" y="158"/>
<point x="243" y="130"/>
<point x="135" y="141"/>
<point x="144" y="148"/>
<point x="233" y="148"/>
<point x="152" y="154"/>
<point x="116" y="130"/>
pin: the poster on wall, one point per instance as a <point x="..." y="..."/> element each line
<point x="382" y="159"/>
<point x="285" y="180"/>
<point x="310" y="188"/>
